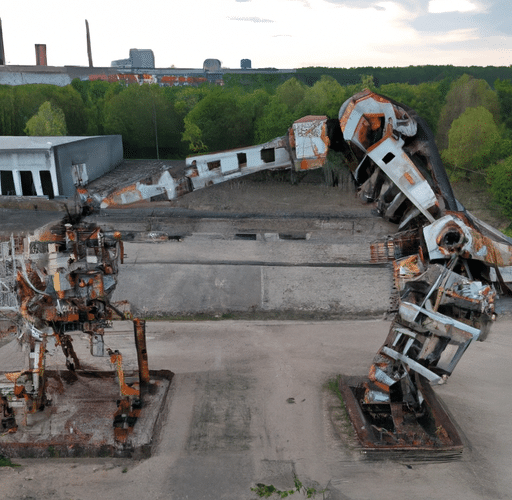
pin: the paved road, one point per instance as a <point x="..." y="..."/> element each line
<point x="231" y="422"/>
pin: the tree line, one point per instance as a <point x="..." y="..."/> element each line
<point x="412" y="75"/>
<point x="471" y="119"/>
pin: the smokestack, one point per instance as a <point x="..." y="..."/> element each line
<point x="89" y="52"/>
<point x="41" y="54"/>
<point x="2" y="54"/>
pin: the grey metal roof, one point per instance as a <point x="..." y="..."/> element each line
<point x="37" y="143"/>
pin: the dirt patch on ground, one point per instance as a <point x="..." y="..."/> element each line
<point x="266" y="195"/>
<point x="270" y="193"/>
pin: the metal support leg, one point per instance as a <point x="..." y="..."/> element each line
<point x="139" y="328"/>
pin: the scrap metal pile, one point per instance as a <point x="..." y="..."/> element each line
<point x="58" y="281"/>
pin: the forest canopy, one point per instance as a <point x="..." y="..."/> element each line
<point x="468" y="109"/>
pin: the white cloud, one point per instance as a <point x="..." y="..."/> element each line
<point x="442" y="6"/>
<point x="250" y="19"/>
<point x="454" y="36"/>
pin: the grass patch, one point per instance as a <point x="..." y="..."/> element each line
<point x="268" y="490"/>
<point x="333" y="386"/>
<point x="6" y="462"/>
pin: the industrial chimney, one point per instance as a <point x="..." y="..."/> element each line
<point x="41" y="55"/>
<point x="2" y="54"/>
<point x="89" y="51"/>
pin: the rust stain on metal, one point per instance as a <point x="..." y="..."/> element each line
<point x="117" y="360"/>
<point x="142" y="354"/>
<point x="346" y="115"/>
<point x="409" y="178"/>
<point x="491" y="251"/>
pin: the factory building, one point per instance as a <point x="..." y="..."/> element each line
<point x="55" y="166"/>
<point x="139" y="68"/>
<point x="140" y="59"/>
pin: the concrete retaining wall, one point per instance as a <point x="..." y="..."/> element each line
<point x="204" y="288"/>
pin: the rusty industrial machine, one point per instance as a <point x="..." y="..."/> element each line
<point x="57" y="281"/>
<point x="449" y="268"/>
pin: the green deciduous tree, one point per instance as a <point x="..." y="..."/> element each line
<point x="95" y="94"/>
<point x="504" y="90"/>
<point x="7" y="115"/>
<point x="275" y="121"/>
<point x="134" y="112"/>
<point x="367" y="82"/>
<point x="283" y="108"/>
<point x="28" y="99"/>
<point x="324" y="98"/>
<point x="465" y="92"/>
<point x="49" y="120"/>
<point x="221" y="120"/>
<point x="291" y="93"/>
<point x="185" y="98"/>
<point x="474" y="141"/>
<point x="69" y="100"/>
<point x="427" y="99"/>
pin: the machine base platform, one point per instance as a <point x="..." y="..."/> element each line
<point x="429" y="434"/>
<point x="78" y="421"/>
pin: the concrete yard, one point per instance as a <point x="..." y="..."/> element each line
<point x="249" y="405"/>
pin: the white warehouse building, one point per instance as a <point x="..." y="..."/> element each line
<point x="55" y="166"/>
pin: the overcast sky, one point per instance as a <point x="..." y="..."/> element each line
<point x="276" y="33"/>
